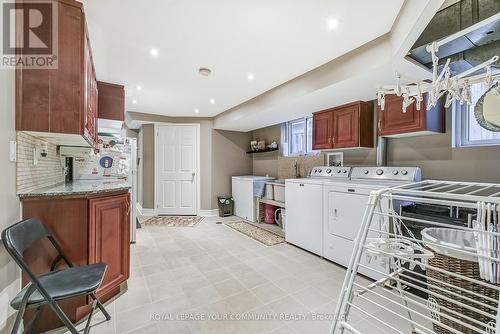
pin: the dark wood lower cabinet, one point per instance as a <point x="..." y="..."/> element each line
<point x="109" y="240"/>
<point x="91" y="229"/>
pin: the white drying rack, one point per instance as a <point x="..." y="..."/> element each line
<point x="387" y="300"/>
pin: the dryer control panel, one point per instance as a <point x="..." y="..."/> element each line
<point x="383" y="173"/>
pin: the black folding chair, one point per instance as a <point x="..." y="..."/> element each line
<point x="54" y="285"/>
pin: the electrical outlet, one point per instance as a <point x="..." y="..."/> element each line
<point x="12" y="151"/>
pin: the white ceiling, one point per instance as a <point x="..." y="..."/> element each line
<point x="277" y="40"/>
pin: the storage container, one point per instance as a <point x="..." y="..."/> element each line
<point x="444" y="285"/>
<point x="269" y="191"/>
<point x="279" y="192"/>
<point x="269" y="213"/>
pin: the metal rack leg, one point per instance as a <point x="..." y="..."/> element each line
<point x="347" y="287"/>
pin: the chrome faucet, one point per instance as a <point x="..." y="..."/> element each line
<point x="296" y="166"/>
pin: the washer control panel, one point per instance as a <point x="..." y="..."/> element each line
<point x="331" y="172"/>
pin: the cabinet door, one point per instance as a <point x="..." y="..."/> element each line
<point x="90" y="108"/>
<point x="111" y="101"/>
<point x="346" y="127"/>
<point x="304" y="216"/>
<point x="67" y="82"/>
<point x="392" y="120"/>
<point x="51" y="100"/>
<point x="110" y="239"/>
<point x="322" y="130"/>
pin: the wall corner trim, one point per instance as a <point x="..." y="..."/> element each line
<point x="144" y="212"/>
<point x="209" y="213"/>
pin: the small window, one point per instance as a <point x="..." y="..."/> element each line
<point x="297" y="136"/>
<point x="467" y="132"/>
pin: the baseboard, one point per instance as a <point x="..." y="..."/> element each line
<point x="144" y="212"/>
<point x="209" y="213"/>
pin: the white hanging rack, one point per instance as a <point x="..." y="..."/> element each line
<point x="456" y="88"/>
<point x="471" y="306"/>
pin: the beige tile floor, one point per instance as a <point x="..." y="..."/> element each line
<point x="212" y="270"/>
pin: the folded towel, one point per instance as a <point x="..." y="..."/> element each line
<point x="259" y="188"/>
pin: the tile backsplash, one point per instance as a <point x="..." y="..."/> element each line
<point x="47" y="172"/>
<point x="286" y="165"/>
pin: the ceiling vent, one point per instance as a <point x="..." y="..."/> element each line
<point x="479" y="38"/>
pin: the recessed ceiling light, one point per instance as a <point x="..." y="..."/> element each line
<point x="197" y="110"/>
<point x="154" y="52"/>
<point x="250" y="76"/>
<point x="212" y="101"/>
<point x="333" y="24"/>
<point x="134" y="101"/>
<point x="204" y="71"/>
<point x="139" y="88"/>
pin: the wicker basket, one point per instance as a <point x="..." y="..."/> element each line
<point x="468" y="269"/>
<point x="463" y="264"/>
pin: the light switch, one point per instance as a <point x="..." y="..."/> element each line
<point x="12" y="151"/>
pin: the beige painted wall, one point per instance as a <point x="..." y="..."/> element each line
<point x="440" y="161"/>
<point x="215" y="172"/>
<point x="267" y="163"/>
<point x="273" y="164"/>
<point x="148" y="167"/>
<point x="9" y="203"/>
<point x="140" y="167"/>
<point x="433" y="154"/>
<point x="229" y="158"/>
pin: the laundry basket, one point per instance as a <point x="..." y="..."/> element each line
<point x="463" y="264"/>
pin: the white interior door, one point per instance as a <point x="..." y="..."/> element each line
<point x="176" y="168"/>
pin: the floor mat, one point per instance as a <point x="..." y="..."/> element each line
<point x="173" y="221"/>
<point x="256" y="233"/>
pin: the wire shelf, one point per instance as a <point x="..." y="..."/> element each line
<point x="457" y="289"/>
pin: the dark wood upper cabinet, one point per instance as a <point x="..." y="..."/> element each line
<point x="346" y="126"/>
<point x="60" y="100"/>
<point x="111" y="101"/>
<point x="322" y="130"/>
<point x="393" y="122"/>
<point x="91" y="95"/>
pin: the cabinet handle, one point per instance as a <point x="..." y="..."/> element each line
<point x="333" y="140"/>
<point x="378" y="125"/>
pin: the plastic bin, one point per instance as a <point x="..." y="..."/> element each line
<point x="269" y="213"/>
<point x="226" y="205"/>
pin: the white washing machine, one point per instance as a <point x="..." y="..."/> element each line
<point x="304" y="207"/>
<point x="344" y="207"/>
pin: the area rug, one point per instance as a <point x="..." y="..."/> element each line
<point x="257" y="233"/>
<point x="173" y="221"/>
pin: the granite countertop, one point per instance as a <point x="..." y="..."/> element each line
<point x="83" y="187"/>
